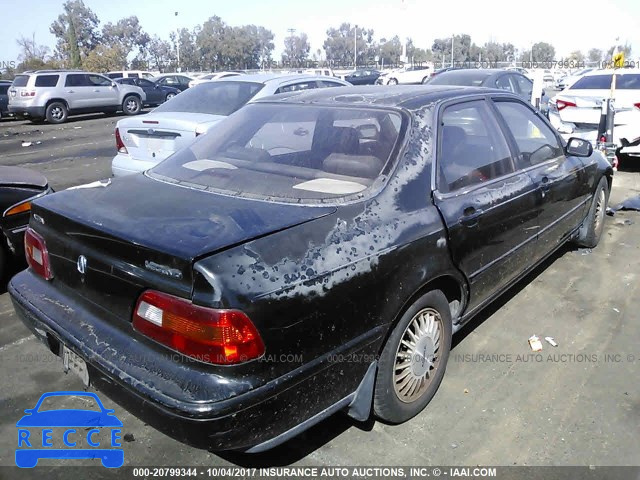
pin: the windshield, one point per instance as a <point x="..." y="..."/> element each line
<point x="213" y="98"/>
<point x="288" y="153"/>
<point x="459" y="78"/>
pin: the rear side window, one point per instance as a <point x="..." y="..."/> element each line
<point x="525" y="85"/>
<point x="76" y="80"/>
<point x="133" y="75"/>
<point x="20" y="81"/>
<point x="534" y="138"/>
<point x="326" y="83"/>
<point x="504" y="83"/>
<point x="298" y="86"/>
<point x="628" y="82"/>
<point x="472" y="147"/>
<point x="47" y="80"/>
<point x="593" y="82"/>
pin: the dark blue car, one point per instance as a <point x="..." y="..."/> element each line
<point x="28" y="452"/>
<point x="156" y="93"/>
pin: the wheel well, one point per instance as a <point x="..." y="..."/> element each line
<point x="61" y="100"/>
<point x="132" y="95"/>
<point x="448" y="285"/>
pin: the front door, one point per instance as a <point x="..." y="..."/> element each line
<point x="488" y="205"/>
<point x="561" y="180"/>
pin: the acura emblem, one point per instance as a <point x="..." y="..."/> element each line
<point x="82" y="264"/>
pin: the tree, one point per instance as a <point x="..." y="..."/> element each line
<point x="126" y="36"/>
<point x="543" y="52"/>
<point x="441" y="48"/>
<point x="296" y="50"/>
<point x="76" y="31"/>
<point x="595" y="55"/>
<point x="185" y="40"/>
<point x="417" y="55"/>
<point x="33" y="56"/>
<point x="340" y="41"/>
<point x="161" y="54"/>
<point x="390" y="51"/>
<point x="104" y="58"/>
<point x="626" y="48"/>
<point x="576" y="57"/>
<point x="496" y="52"/>
<point x="209" y="41"/>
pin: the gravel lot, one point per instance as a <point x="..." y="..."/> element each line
<point x="498" y="403"/>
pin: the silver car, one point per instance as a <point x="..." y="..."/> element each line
<point x="146" y="141"/>
<point x="55" y="94"/>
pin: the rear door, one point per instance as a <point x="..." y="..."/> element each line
<point x="561" y="181"/>
<point x="488" y="206"/>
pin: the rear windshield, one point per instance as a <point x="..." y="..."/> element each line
<point x="629" y="81"/>
<point x="214" y="98"/>
<point x="47" y="80"/>
<point x="20" y="81"/>
<point x="459" y="78"/>
<point x="593" y="82"/>
<point x="288" y="153"/>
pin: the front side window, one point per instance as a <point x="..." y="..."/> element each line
<point x="98" y="81"/>
<point x="144" y="83"/>
<point x="525" y="85"/>
<point x="472" y="147"/>
<point x="288" y="153"/>
<point x="593" y="82"/>
<point x="504" y="83"/>
<point x="536" y="141"/>
<point x="297" y="87"/>
<point x="629" y="81"/>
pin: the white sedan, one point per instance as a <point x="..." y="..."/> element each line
<point x="406" y="76"/>
<point x="211" y="76"/>
<point x="144" y="143"/>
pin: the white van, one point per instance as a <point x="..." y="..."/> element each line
<point x="131" y="74"/>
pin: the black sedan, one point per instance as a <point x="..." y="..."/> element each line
<point x="156" y="93"/>
<point x="4" y="98"/>
<point x="312" y="253"/>
<point x="18" y="188"/>
<point x="362" y="77"/>
<point x="507" y="80"/>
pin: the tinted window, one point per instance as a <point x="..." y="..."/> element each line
<point x="20" y="81"/>
<point x="214" y="98"/>
<point x="593" y="82"/>
<point x="525" y="85"/>
<point x="169" y="81"/>
<point x="467" y="79"/>
<point x="297" y="86"/>
<point x="327" y="83"/>
<point x="144" y="83"/>
<point x="115" y="75"/>
<point x="184" y="80"/>
<point x="536" y="141"/>
<point x="127" y="81"/>
<point x="4" y="89"/>
<point x="628" y="82"/>
<point x="133" y="75"/>
<point x="472" y="147"/>
<point x="504" y="83"/>
<point x="288" y="152"/>
<point x="47" y="80"/>
<point x="76" y="80"/>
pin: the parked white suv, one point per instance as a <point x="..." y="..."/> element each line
<point x="55" y="94"/>
<point x="406" y="76"/>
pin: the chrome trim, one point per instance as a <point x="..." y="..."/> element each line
<point x="30" y="199"/>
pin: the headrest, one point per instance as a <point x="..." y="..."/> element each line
<point x="363" y="166"/>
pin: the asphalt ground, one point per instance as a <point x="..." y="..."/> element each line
<point x="499" y="404"/>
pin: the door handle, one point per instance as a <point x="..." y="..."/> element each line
<point x="470" y="216"/>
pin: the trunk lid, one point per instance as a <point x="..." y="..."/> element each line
<point x="21" y="177"/>
<point x="155" y="136"/>
<point x="138" y="233"/>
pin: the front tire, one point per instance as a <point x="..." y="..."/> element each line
<point x="392" y="81"/>
<point x="591" y="229"/>
<point x="56" y="112"/>
<point x="414" y="359"/>
<point x="131" y="105"/>
<point x="425" y="80"/>
<point x="169" y="96"/>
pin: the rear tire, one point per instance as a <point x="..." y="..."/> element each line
<point x="414" y="359"/>
<point x="169" y="96"/>
<point x="131" y="105"/>
<point x="425" y="80"/>
<point x="392" y="81"/>
<point x="56" y="112"/>
<point x="591" y="229"/>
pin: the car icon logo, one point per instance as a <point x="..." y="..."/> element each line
<point x="81" y="264"/>
<point x="74" y="433"/>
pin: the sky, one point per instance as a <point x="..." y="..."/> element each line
<point x="568" y="26"/>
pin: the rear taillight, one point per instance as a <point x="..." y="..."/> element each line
<point x="562" y="104"/>
<point x="35" y="250"/>
<point x="637" y="105"/>
<point x="223" y="337"/>
<point x="119" y="143"/>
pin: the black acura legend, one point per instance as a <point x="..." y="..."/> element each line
<point x="313" y="253"/>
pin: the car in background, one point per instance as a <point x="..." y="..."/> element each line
<point x="176" y="80"/>
<point x="18" y="188"/>
<point x="56" y="94"/>
<point x="408" y="75"/>
<point x="212" y="76"/>
<point x="229" y="289"/>
<point x="520" y="70"/>
<point x="570" y="79"/>
<point x="131" y="74"/>
<point x="579" y="106"/>
<point x="143" y="143"/>
<point x="4" y="98"/>
<point x="441" y="70"/>
<point x="507" y="80"/>
<point x="156" y="93"/>
<point x="362" y="77"/>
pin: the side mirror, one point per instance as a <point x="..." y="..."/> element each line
<point x="114" y="85"/>
<point x="577" y="147"/>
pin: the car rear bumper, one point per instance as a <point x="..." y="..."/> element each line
<point x="172" y="396"/>
<point x="124" y="164"/>
<point x="35" y="112"/>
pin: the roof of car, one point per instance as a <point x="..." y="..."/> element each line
<point x="407" y="96"/>
<point x="275" y="77"/>
<point x="609" y="71"/>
